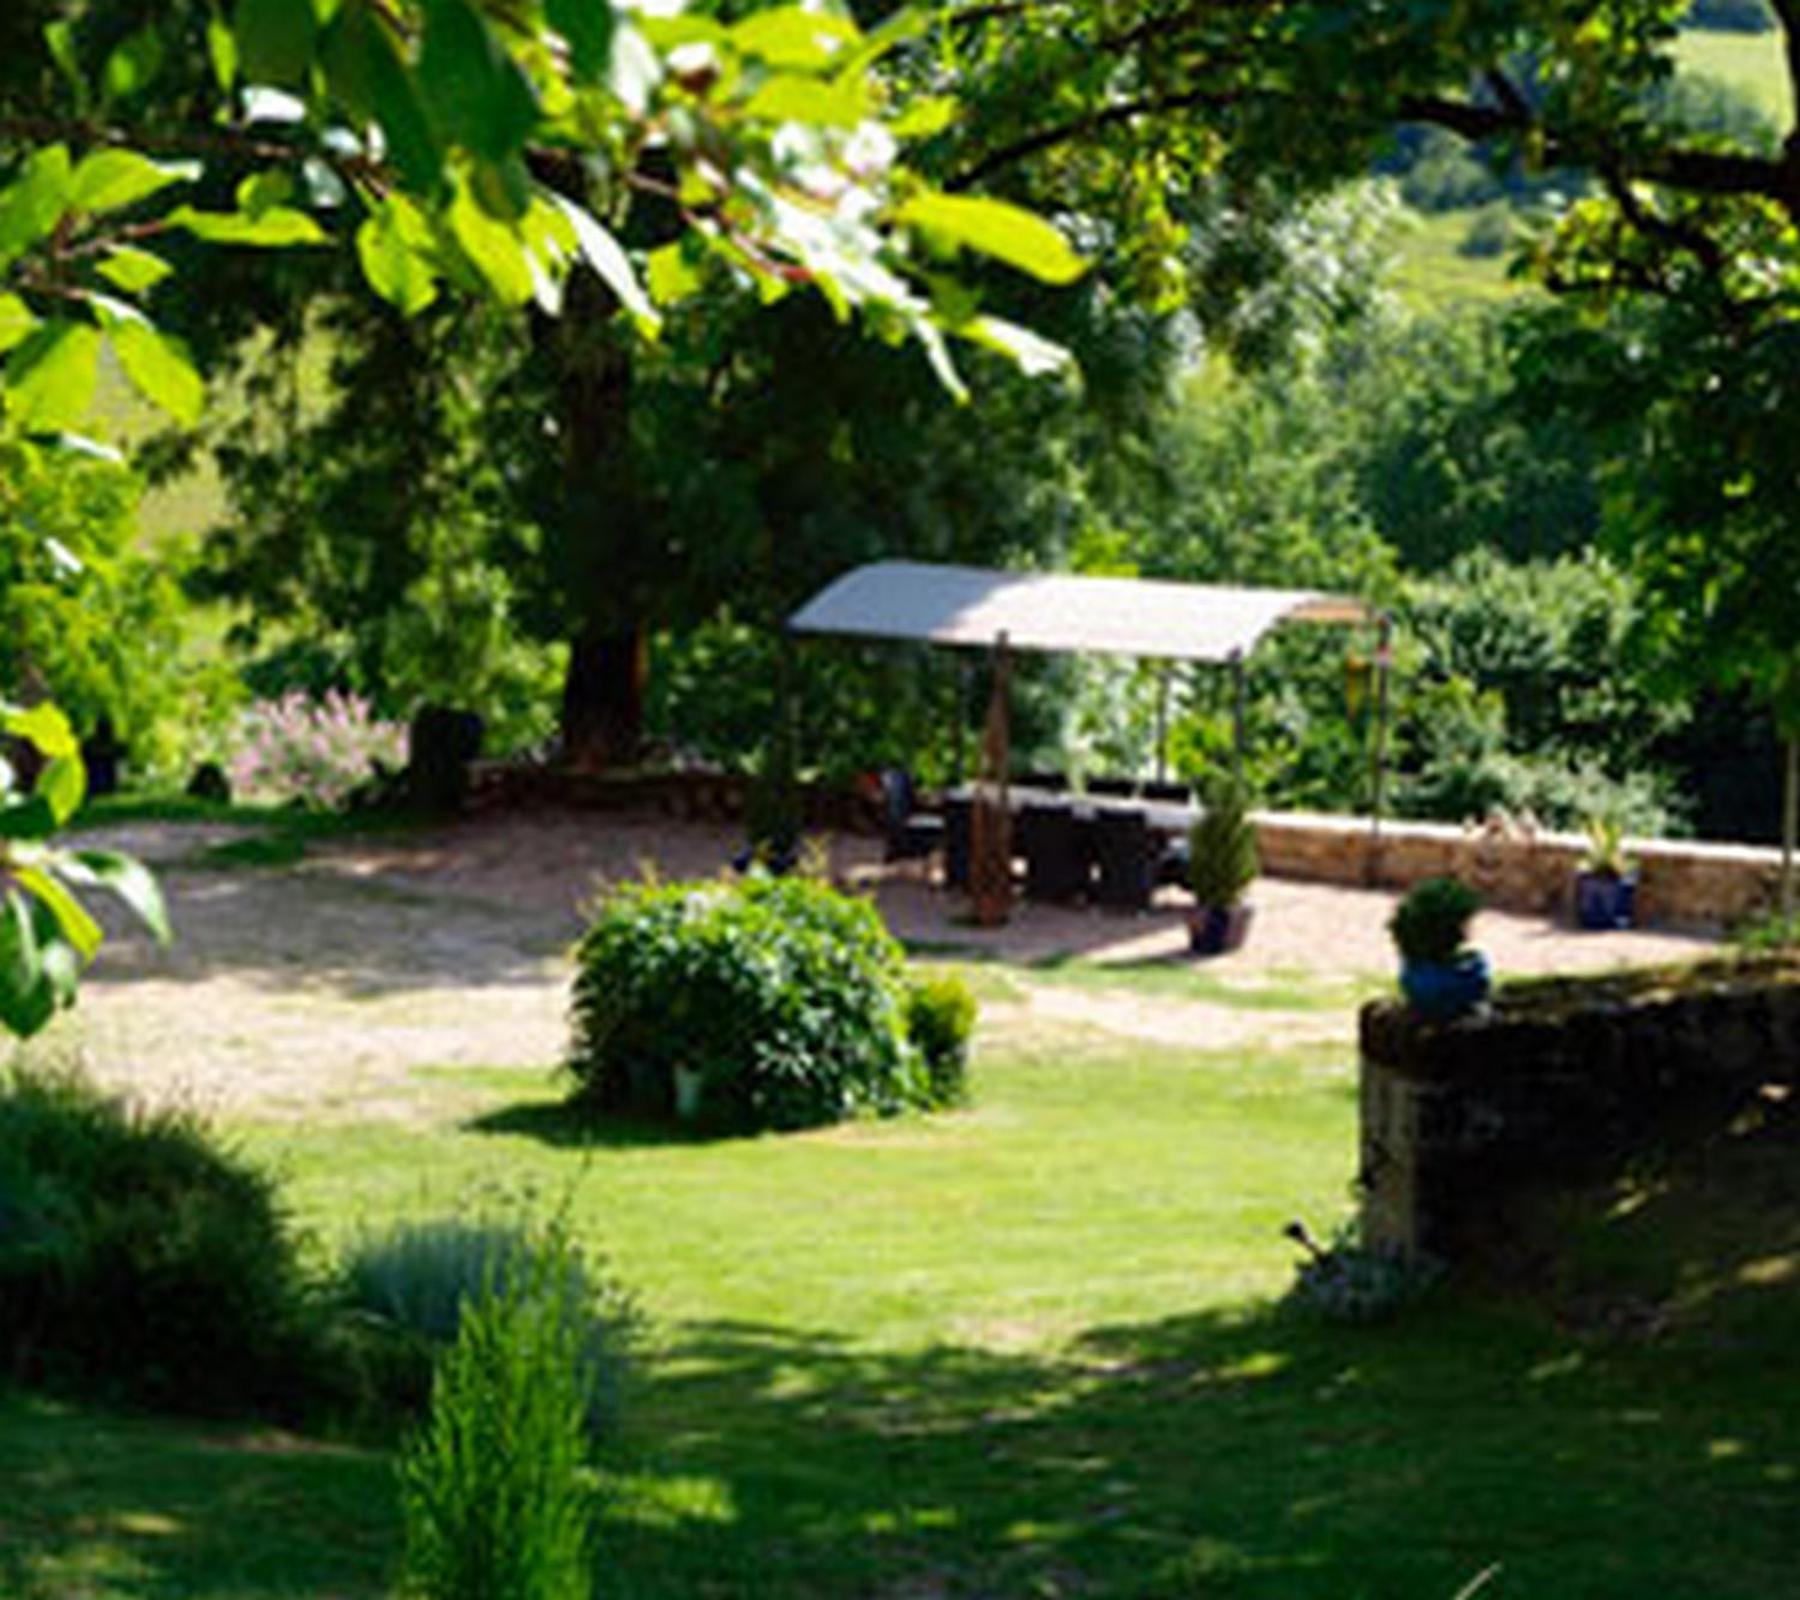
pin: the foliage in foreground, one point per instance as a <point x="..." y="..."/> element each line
<point x="782" y="1001"/>
<point x="493" y="1486"/>
<point x="419" y="1280"/>
<point x="140" y="1259"/>
<point x="46" y="934"/>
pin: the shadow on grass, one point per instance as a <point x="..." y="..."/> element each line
<point x="1211" y="1454"/>
<point x="571" y="1125"/>
<point x="110" y="1508"/>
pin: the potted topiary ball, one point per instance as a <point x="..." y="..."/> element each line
<point x="1606" y="883"/>
<point x="1222" y="864"/>
<point x="1441" y="977"/>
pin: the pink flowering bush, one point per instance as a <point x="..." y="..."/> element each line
<point x="314" y="751"/>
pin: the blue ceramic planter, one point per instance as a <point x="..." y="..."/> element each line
<point x="1443" y="991"/>
<point x="1218" y="930"/>
<point x="1605" y="899"/>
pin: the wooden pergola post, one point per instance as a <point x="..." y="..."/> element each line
<point x="1239" y="737"/>
<point x="990" y="823"/>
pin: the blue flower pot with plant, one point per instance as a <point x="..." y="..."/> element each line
<point x="1441" y="977"/>
<point x="1222" y="864"/>
<point x="1606" y="884"/>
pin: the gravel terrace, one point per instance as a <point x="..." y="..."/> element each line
<point x="341" y="986"/>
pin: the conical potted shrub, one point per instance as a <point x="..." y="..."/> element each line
<point x="1606" y="882"/>
<point x="1440" y="975"/>
<point x="1222" y="864"/>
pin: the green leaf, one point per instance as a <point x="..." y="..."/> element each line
<point x="492" y="248"/>
<point x="938" y="353"/>
<point x="27" y="999"/>
<point x="1035" y="356"/>
<point x="394" y="246"/>
<point x="670" y="276"/>
<point x="275" y="39"/>
<point x="161" y="369"/>
<point x="109" y="179"/>
<point x="474" y="91"/>
<point x="923" y="118"/>
<point x="33" y="203"/>
<point x="44" y="728"/>
<point x="61" y="968"/>
<point x="222" y="53"/>
<point x="369" y="77"/>
<point x="132" y="882"/>
<point x="262" y="192"/>
<point x="17" y="320"/>
<point x="128" y="268"/>
<point x="50" y="377"/>
<point x="996" y="228"/>
<point x="792" y="36"/>
<point x="818" y="102"/>
<point x="133" y="66"/>
<point x="635" y="69"/>
<point x="59" y="40"/>
<point x="275" y="228"/>
<point x="588" y="26"/>
<point x="73" y="920"/>
<point x="63" y="784"/>
<point x="604" y="254"/>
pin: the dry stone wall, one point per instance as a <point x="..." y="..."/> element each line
<point x="1554" y="1082"/>
<point x="1680" y="883"/>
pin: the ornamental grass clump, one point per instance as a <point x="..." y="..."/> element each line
<point x="764" y="1003"/>
<point x="411" y="1283"/>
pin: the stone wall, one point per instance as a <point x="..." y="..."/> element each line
<point x="1679" y="883"/>
<point x="1557" y="1081"/>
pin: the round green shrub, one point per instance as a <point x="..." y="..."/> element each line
<point x="412" y="1281"/>
<point x="139" y="1259"/>
<point x="781" y="1001"/>
<point x="1431" y="924"/>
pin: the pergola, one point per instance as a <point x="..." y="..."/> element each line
<point x="1057" y="612"/>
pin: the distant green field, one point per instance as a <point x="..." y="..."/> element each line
<point x="1751" y="61"/>
<point x="1431" y="273"/>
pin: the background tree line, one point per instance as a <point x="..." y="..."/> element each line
<point x="593" y="542"/>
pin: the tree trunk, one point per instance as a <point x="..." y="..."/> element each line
<point x="603" y="699"/>
<point x="1790" y="827"/>
<point x="603" y="690"/>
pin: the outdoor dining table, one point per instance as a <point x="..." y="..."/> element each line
<point x="1171" y="817"/>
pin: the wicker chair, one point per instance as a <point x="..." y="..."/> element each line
<point x="1056" y="858"/>
<point x="1127" y="856"/>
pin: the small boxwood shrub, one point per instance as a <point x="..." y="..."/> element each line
<point x="783" y="1002"/>
<point x="141" y="1260"/>
<point x="412" y="1283"/>
<point x="940" y="1017"/>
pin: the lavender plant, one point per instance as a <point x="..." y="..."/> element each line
<point x="313" y="751"/>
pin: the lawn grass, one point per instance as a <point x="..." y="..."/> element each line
<point x="1751" y="62"/>
<point x="98" y="1507"/>
<point x="1431" y="275"/>
<point x="1028" y="1349"/>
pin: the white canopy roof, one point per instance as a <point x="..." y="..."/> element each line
<point x="1054" y="611"/>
